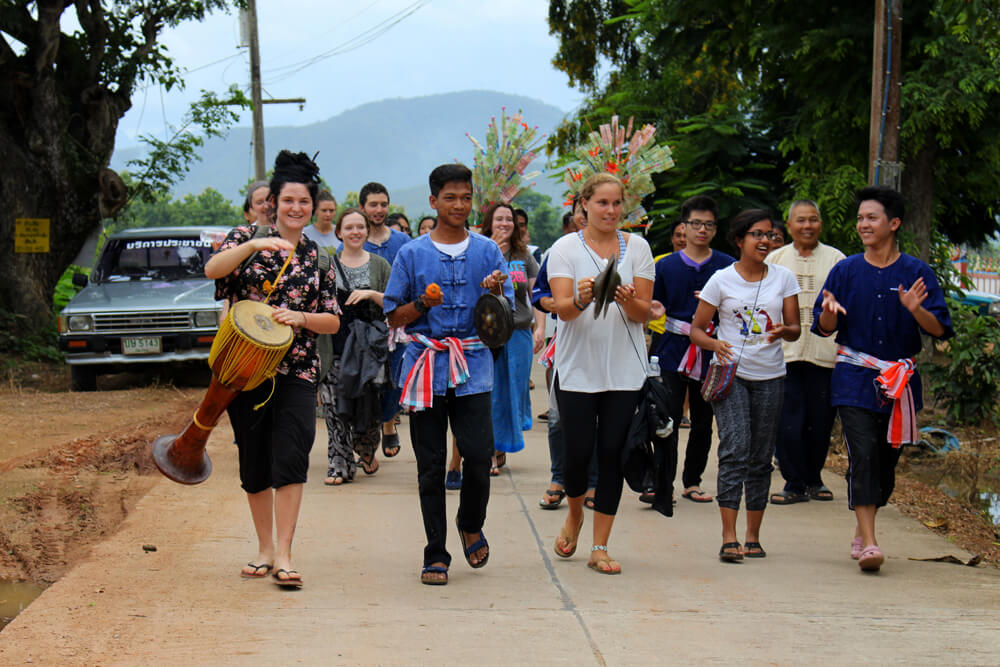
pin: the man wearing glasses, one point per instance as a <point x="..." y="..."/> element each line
<point x="679" y="279"/>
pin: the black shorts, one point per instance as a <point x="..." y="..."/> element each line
<point x="274" y="441"/>
<point x="871" y="470"/>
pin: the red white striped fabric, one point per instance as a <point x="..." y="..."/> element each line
<point x="548" y="356"/>
<point x="397" y="336"/>
<point x="894" y="382"/>
<point x="690" y="365"/>
<point x="418" y="390"/>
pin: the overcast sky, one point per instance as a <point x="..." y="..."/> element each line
<point x="442" y="46"/>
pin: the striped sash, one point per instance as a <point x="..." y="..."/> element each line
<point x="418" y="390"/>
<point x="548" y="356"/>
<point x="894" y="382"/>
<point x="690" y="365"/>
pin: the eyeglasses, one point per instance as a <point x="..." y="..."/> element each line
<point x="708" y="225"/>
<point x="758" y="235"/>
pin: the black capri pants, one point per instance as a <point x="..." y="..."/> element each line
<point x="871" y="469"/>
<point x="274" y="441"/>
<point x="607" y="416"/>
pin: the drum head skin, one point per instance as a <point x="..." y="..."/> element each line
<point x="494" y="320"/>
<point x="253" y="319"/>
<point x="606" y="284"/>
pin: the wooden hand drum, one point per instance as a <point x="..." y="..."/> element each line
<point x="247" y="351"/>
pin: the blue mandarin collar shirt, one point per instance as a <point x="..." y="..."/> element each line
<point x="390" y="248"/>
<point x="419" y="264"/>
<point x="878" y="324"/>
<point x="674" y="287"/>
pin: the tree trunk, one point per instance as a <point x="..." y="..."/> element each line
<point x="918" y="189"/>
<point x="55" y="140"/>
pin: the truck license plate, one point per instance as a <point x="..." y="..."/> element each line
<point x="142" y="345"/>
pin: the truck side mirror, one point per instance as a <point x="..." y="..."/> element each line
<point x="80" y="280"/>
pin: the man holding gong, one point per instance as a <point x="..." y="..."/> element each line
<point x="447" y="372"/>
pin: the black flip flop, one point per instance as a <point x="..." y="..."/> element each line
<point x="559" y="494"/>
<point x="729" y="556"/>
<point x="288" y="581"/>
<point x="820" y="493"/>
<point x="390" y="441"/>
<point x="590" y="502"/>
<point x="788" y="498"/>
<point x="366" y="466"/>
<point x="690" y="495"/>
<point x="267" y="567"/>
<point x="759" y="553"/>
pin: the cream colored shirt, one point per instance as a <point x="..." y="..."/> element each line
<point x="811" y="273"/>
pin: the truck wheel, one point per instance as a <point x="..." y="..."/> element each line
<point x="84" y="378"/>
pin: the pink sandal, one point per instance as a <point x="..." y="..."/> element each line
<point x="871" y="559"/>
<point x="857" y="546"/>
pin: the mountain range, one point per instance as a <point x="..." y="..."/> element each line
<point x="393" y="141"/>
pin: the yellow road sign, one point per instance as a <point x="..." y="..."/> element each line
<point x="31" y="234"/>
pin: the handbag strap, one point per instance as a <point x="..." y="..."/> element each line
<point x="756" y="297"/>
<point x="343" y="274"/>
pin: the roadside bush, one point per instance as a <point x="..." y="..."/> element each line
<point x="968" y="386"/>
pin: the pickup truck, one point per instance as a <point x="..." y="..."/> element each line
<point x="147" y="301"/>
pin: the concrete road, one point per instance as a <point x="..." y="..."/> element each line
<point x="359" y="550"/>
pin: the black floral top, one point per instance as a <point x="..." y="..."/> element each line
<point x="301" y="288"/>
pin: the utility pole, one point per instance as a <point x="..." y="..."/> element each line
<point x="883" y="138"/>
<point x="259" y="167"/>
<point x="259" y="160"/>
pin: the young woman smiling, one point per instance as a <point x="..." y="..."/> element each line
<point x="513" y="365"/>
<point x="600" y="363"/>
<point x="757" y="308"/>
<point x="274" y="441"/>
<point x="359" y="292"/>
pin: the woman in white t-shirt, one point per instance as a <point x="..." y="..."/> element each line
<point x="757" y="309"/>
<point x="599" y="362"/>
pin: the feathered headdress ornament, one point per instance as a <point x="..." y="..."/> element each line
<point x="498" y="167"/>
<point x="634" y="163"/>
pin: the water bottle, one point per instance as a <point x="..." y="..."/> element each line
<point x="663" y="427"/>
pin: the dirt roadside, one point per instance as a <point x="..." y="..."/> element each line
<point x="73" y="465"/>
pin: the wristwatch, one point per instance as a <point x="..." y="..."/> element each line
<point x="421" y="307"/>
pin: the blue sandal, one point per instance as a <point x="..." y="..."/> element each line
<point x="474" y="547"/>
<point x="434" y="569"/>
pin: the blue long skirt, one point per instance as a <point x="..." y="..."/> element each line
<point x="511" y="410"/>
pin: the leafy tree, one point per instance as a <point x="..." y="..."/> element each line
<point x="796" y="82"/>
<point x="209" y="207"/>
<point x="544" y="220"/>
<point x="62" y="95"/>
<point x="968" y="386"/>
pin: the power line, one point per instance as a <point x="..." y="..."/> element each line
<point x="356" y="42"/>
<point x="239" y="52"/>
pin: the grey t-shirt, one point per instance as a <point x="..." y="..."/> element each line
<point x="328" y="240"/>
<point x="523" y="268"/>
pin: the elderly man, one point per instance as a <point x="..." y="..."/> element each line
<point x="807" y="415"/>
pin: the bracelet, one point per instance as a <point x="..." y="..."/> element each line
<point x="303" y="320"/>
<point x="579" y="306"/>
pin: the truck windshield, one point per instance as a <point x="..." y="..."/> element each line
<point x="154" y="259"/>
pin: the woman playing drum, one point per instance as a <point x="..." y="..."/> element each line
<point x="274" y="439"/>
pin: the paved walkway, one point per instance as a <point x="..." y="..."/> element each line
<point x="359" y="549"/>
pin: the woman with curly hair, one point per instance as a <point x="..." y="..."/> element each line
<point x="274" y="439"/>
